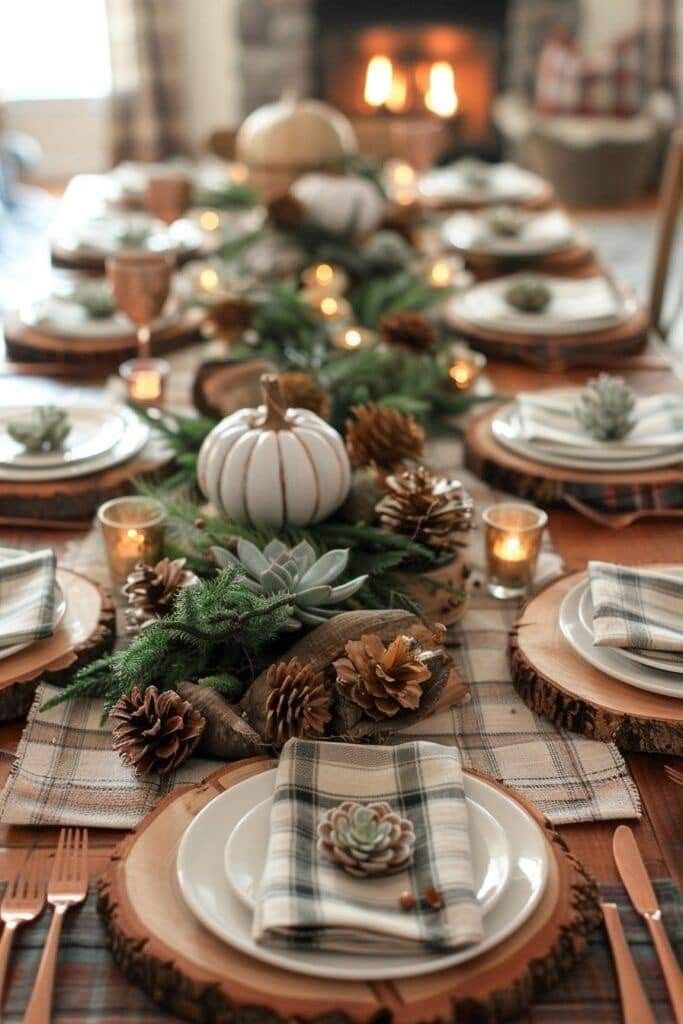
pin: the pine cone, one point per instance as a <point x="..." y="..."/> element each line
<point x="431" y="510"/>
<point x="382" y="437"/>
<point x="382" y="680"/>
<point x="409" y="330"/>
<point x="232" y="315"/>
<point x="286" y="211"/>
<point x="151" y="589"/>
<point x="298" y="702"/>
<point x="301" y="391"/>
<point x="154" y="732"/>
<point x="366" y="839"/>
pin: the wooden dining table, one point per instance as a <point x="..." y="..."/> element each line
<point x="659" y="832"/>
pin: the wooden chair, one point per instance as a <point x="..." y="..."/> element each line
<point x="671" y="195"/>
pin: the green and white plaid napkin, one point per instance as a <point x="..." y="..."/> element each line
<point x="308" y="902"/>
<point x="27" y="595"/>
<point x="637" y="609"/>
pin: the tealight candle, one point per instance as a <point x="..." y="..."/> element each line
<point x="145" y="380"/>
<point x="401" y="182"/>
<point x="350" y="339"/>
<point x="466" y="366"/>
<point x="209" y="220"/>
<point x="132" y="528"/>
<point x="443" y="271"/>
<point x="330" y="279"/>
<point x="326" y="306"/>
<point x="206" y="280"/>
<point x="513" y="541"/>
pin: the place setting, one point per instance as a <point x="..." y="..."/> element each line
<point x="87" y="245"/>
<point x="470" y="182"/>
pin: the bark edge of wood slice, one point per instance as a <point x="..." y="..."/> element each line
<point x="560" y="686"/>
<point x="189" y="972"/>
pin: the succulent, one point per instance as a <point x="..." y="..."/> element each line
<point x="278" y="569"/>
<point x="605" y="408"/>
<point x="45" y="431"/>
<point x="507" y="221"/>
<point x="475" y="173"/>
<point x="95" y="297"/>
<point x="387" y="251"/>
<point x="366" y="839"/>
<point x="529" y="294"/>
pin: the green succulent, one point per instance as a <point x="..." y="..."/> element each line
<point x="387" y="251"/>
<point x="529" y="294"/>
<point x="506" y="221"/>
<point x="95" y="297"/>
<point x="366" y="839"/>
<point x="605" y="408"/>
<point x="279" y="569"/>
<point x="475" y="173"/>
<point x="45" y="431"/>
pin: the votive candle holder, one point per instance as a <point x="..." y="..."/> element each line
<point x="145" y="380"/>
<point x="513" y="541"/>
<point x="132" y="528"/>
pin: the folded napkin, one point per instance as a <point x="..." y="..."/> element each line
<point x="27" y="595"/>
<point x="638" y="609"/>
<point x="572" y="303"/>
<point x="549" y="421"/>
<point x="307" y="901"/>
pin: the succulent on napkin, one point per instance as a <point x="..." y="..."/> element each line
<point x="44" y="430"/>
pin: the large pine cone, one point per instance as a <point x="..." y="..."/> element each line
<point x="431" y="510"/>
<point x="301" y="391"/>
<point x="382" y="437"/>
<point x="298" y="702"/>
<point x="409" y="330"/>
<point x="286" y="211"/>
<point x="382" y="680"/>
<point x="152" y="589"/>
<point x="366" y="839"/>
<point x="154" y="732"/>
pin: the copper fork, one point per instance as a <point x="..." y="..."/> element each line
<point x="673" y="774"/>
<point x="23" y="901"/>
<point x="68" y="886"/>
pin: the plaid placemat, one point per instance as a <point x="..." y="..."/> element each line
<point x="638" y="609"/>
<point x="307" y="902"/>
<point x="27" y="595"/>
<point x="90" y="989"/>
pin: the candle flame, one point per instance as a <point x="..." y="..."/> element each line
<point x="329" y="306"/>
<point x="441" y="97"/>
<point x="379" y="78"/>
<point x="208" y="279"/>
<point x="441" y="273"/>
<point x="510" y="548"/>
<point x="353" y="338"/>
<point x="324" y="273"/>
<point x="209" y="220"/>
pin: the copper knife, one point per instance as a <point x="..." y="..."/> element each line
<point x="639" y="887"/>
<point x="635" y="1006"/>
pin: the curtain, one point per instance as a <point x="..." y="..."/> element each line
<point x="146" y="62"/>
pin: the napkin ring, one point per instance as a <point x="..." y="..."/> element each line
<point x="366" y="840"/>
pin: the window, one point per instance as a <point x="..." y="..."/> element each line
<point x="54" y="49"/>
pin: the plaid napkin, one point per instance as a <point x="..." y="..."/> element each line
<point x="306" y="901"/>
<point x="638" y="609"/>
<point x="27" y="595"/>
<point x="549" y="422"/>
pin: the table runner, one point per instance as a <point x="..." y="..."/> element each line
<point x="66" y="773"/>
<point x="90" y="989"/>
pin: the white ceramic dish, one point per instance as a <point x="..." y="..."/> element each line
<point x="93" y="432"/>
<point x="201" y="876"/>
<point x="66" y="319"/>
<point x="506" y="429"/>
<point x="506" y="183"/>
<point x="542" y="233"/>
<point x="57" y="616"/>
<point x="607" y="659"/>
<point x="245" y="854"/>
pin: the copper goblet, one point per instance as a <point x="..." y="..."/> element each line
<point x="168" y="197"/>
<point x="140" y="282"/>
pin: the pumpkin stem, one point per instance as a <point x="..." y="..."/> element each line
<point x="276" y="407"/>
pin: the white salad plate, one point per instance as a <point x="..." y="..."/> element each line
<point x="506" y="183"/>
<point x="93" y="431"/>
<point x="132" y="440"/>
<point x="246" y="849"/>
<point x="58" y="614"/>
<point x="541" y="233"/>
<point x="586" y="613"/>
<point x="608" y="659"/>
<point x="109" y="233"/>
<point x="507" y="430"/>
<point x="201" y="876"/>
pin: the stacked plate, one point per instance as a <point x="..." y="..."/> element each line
<point x="536" y="234"/>
<point x="474" y="183"/>
<point x="543" y="427"/>
<point x="646" y="673"/>
<point x="222" y="855"/>
<point x="100" y="437"/>
<point x="109" y="233"/>
<point x="576" y="306"/>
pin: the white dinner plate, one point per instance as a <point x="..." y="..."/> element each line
<point x="65" y="319"/>
<point x="133" y="439"/>
<point x="201" y="876"/>
<point x="58" y="614"/>
<point x="506" y="429"/>
<point x="245" y="854"/>
<point x="93" y="432"/>
<point x="507" y="183"/>
<point x="540" y="234"/>
<point x="607" y="659"/>
<point x="107" y="233"/>
<point x="586" y="614"/>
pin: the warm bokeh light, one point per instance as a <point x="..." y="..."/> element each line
<point x="353" y="338"/>
<point x="209" y="279"/>
<point x="378" y="81"/>
<point x="441" y="97"/>
<point x="329" y="306"/>
<point x="209" y="220"/>
<point x="398" y="93"/>
<point x="324" y="273"/>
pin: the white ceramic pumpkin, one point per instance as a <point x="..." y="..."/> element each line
<point x="337" y="202"/>
<point x="272" y="466"/>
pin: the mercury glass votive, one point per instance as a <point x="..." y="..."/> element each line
<point x="513" y="541"/>
<point x="466" y="366"/>
<point x="132" y="528"/>
<point x="145" y="380"/>
<point x="328" y="278"/>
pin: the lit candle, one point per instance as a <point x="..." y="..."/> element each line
<point x="442" y="272"/>
<point x="401" y="182"/>
<point x="331" y="280"/>
<point x="206" y="280"/>
<point x="350" y="339"/>
<point x="326" y="306"/>
<point x="209" y="220"/>
<point x="145" y="380"/>
<point x="513" y="541"/>
<point x="466" y="366"/>
<point x="132" y="528"/>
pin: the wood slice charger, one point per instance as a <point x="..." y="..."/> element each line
<point x="573" y="261"/>
<point x="559" y="685"/>
<point x="160" y="946"/>
<point x="86" y="632"/>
